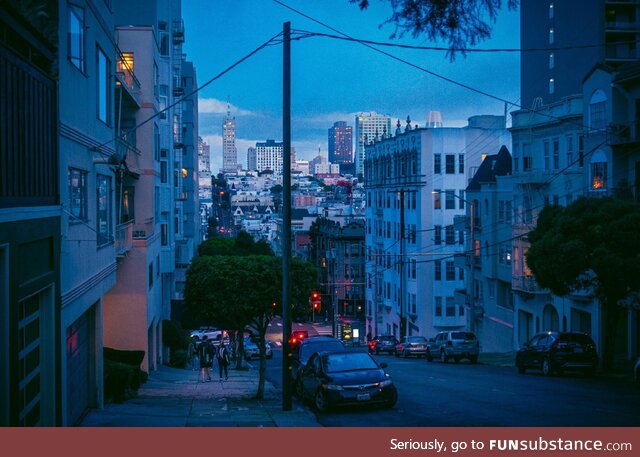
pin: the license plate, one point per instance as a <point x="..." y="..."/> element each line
<point x="364" y="397"/>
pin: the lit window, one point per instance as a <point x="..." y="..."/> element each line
<point x="599" y="171"/>
<point x="552" y="85"/>
<point x="551" y="10"/>
<point x="104" y="209"/>
<point x="551" y="35"/>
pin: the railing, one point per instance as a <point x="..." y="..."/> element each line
<point x="144" y="230"/>
<point x="124" y="237"/>
<point x="178" y="32"/>
<point x="526" y="284"/>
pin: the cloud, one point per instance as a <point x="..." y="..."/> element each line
<point x="215" y="106"/>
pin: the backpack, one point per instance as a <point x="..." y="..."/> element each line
<point x="204" y="352"/>
<point x="223" y="354"/>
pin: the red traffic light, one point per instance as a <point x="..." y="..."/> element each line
<point x="316" y="306"/>
<point x="315" y="296"/>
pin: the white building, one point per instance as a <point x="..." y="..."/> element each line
<point x="368" y="126"/>
<point x="269" y="156"/>
<point x="229" y="150"/>
<point x="420" y="175"/>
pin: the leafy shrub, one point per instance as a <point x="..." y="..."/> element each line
<point x="179" y="358"/>
<point x="122" y="374"/>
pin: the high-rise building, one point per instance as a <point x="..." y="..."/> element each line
<point x="573" y="50"/>
<point x="229" y="150"/>
<point x="340" y="143"/>
<point x="369" y="127"/>
<point x="269" y="156"/>
<point x="252" y="159"/>
<point x="204" y="155"/>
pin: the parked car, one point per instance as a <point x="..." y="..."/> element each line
<point x="384" y="343"/>
<point x="251" y="349"/>
<point x="456" y="345"/>
<point x="346" y="378"/>
<point x="411" y="345"/>
<point x="297" y="336"/>
<point x="558" y="351"/>
<point x="212" y="333"/>
<point x="303" y="352"/>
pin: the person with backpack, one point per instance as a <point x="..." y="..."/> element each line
<point x="206" y="352"/>
<point x="223" y="360"/>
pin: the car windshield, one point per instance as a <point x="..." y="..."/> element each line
<point x="462" y="336"/>
<point x="307" y="350"/>
<point x="576" y="338"/>
<point x="349" y="361"/>
<point x="416" y="339"/>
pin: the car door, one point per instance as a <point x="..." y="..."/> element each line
<point x="310" y="376"/>
<point x="527" y="351"/>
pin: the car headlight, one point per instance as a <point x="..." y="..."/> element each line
<point x="386" y="383"/>
<point x="332" y="386"/>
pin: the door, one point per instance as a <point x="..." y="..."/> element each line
<point x="79" y="380"/>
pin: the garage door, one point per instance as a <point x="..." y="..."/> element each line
<point x="78" y="368"/>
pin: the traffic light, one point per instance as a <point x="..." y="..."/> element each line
<point x="315" y="300"/>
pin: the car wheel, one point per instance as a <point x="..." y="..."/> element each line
<point x="429" y="356"/>
<point x="546" y="366"/>
<point x="443" y="357"/>
<point x="321" y="403"/>
<point x="473" y="359"/>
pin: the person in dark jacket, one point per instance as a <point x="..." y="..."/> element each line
<point x="223" y="360"/>
<point x="206" y="353"/>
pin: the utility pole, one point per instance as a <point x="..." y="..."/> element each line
<point x="403" y="329"/>
<point x="472" y="301"/>
<point x="286" y="218"/>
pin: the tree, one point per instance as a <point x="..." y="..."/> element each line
<point x="242" y="244"/>
<point x="459" y="23"/>
<point x="591" y="244"/>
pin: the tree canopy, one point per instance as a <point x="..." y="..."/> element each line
<point x="243" y="244"/>
<point x="459" y="23"/>
<point x="592" y="244"/>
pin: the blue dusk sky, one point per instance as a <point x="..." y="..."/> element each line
<point x="333" y="79"/>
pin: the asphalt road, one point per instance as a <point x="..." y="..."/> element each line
<point x="437" y="394"/>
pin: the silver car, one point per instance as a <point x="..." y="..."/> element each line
<point x="456" y="345"/>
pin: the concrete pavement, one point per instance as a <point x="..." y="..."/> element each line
<point x="175" y="397"/>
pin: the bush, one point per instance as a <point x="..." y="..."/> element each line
<point x="122" y="374"/>
<point x="173" y="335"/>
<point x="179" y="358"/>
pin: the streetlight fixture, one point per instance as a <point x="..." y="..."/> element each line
<point x="472" y="253"/>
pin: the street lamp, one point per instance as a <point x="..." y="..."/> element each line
<point x="472" y="250"/>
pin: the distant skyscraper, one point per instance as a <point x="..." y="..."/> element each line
<point x="204" y="156"/>
<point x="371" y="125"/>
<point x="341" y="143"/>
<point x="269" y="156"/>
<point x="229" y="151"/>
<point x="252" y="159"/>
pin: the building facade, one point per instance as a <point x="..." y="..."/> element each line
<point x="341" y="143"/>
<point x="415" y="185"/>
<point x="368" y="126"/>
<point x="269" y="156"/>
<point x="229" y="150"/>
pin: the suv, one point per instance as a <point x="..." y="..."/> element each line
<point x="454" y="345"/>
<point x="558" y="351"/>
<point x="384" y="343"/>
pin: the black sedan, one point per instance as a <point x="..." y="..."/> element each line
<point x="555" y="352"/>
<point x="346" y="379"/>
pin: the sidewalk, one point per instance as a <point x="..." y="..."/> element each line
<point x="175" y="397"/>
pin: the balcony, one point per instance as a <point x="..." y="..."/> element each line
<point x="178" y="32"/>
<point x="178" y="86"/>
<point x="124" y="238"/>
<point x="144" y="230"/>
<point x="526" y="284"/>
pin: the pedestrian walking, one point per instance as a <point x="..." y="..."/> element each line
<point x="192" y="354"/>
<point x="206" y="353"/>
<point x="223" y="360"/>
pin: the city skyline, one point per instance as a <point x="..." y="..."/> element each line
<point x="333" y="79"/>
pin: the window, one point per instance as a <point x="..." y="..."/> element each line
<point x="552" y="85"/>
<point x="450" y="164"/>
<point x="150" y="275"/>
<point x="551" y="10"/>
<point x="450" y="199"/>
<point x="164" y="43"/>
<point x="527" y="159"/>
<point x="569" y="140"/>
<point x="580" y="151"/>
<point x="556" y="153"/>
<point x="437" y="165"/>
<point x="413" y="269"/>
<point x="551" y="35"/>
<point x="102" y="71"/>
<point x="438" y="306"/>
<point x="77" y="195"/>
<point x="451" y="307"/>
<point x="163" y="101"/>
<point x="103" y="184"/>
<point x="450" y="271"/>
<point x="461" y="237"/>
<point x="461" y="164"/>
<point x="164" y="234"/>
<point x="598" y="111"/>
<point x="547" y="157"/>
<point x="461" y="199"/>
<point x="599" y="171"/>
<point x="436" y="199"/>
<point x="552" y="59"/>
<point x="76" y="37"/>
<point x="127" y="204"/>
<point x="450" y="234"/>
<point x="437" y="236"/>
<point x="438" y="270"/>
<point x="164" y="171"/>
